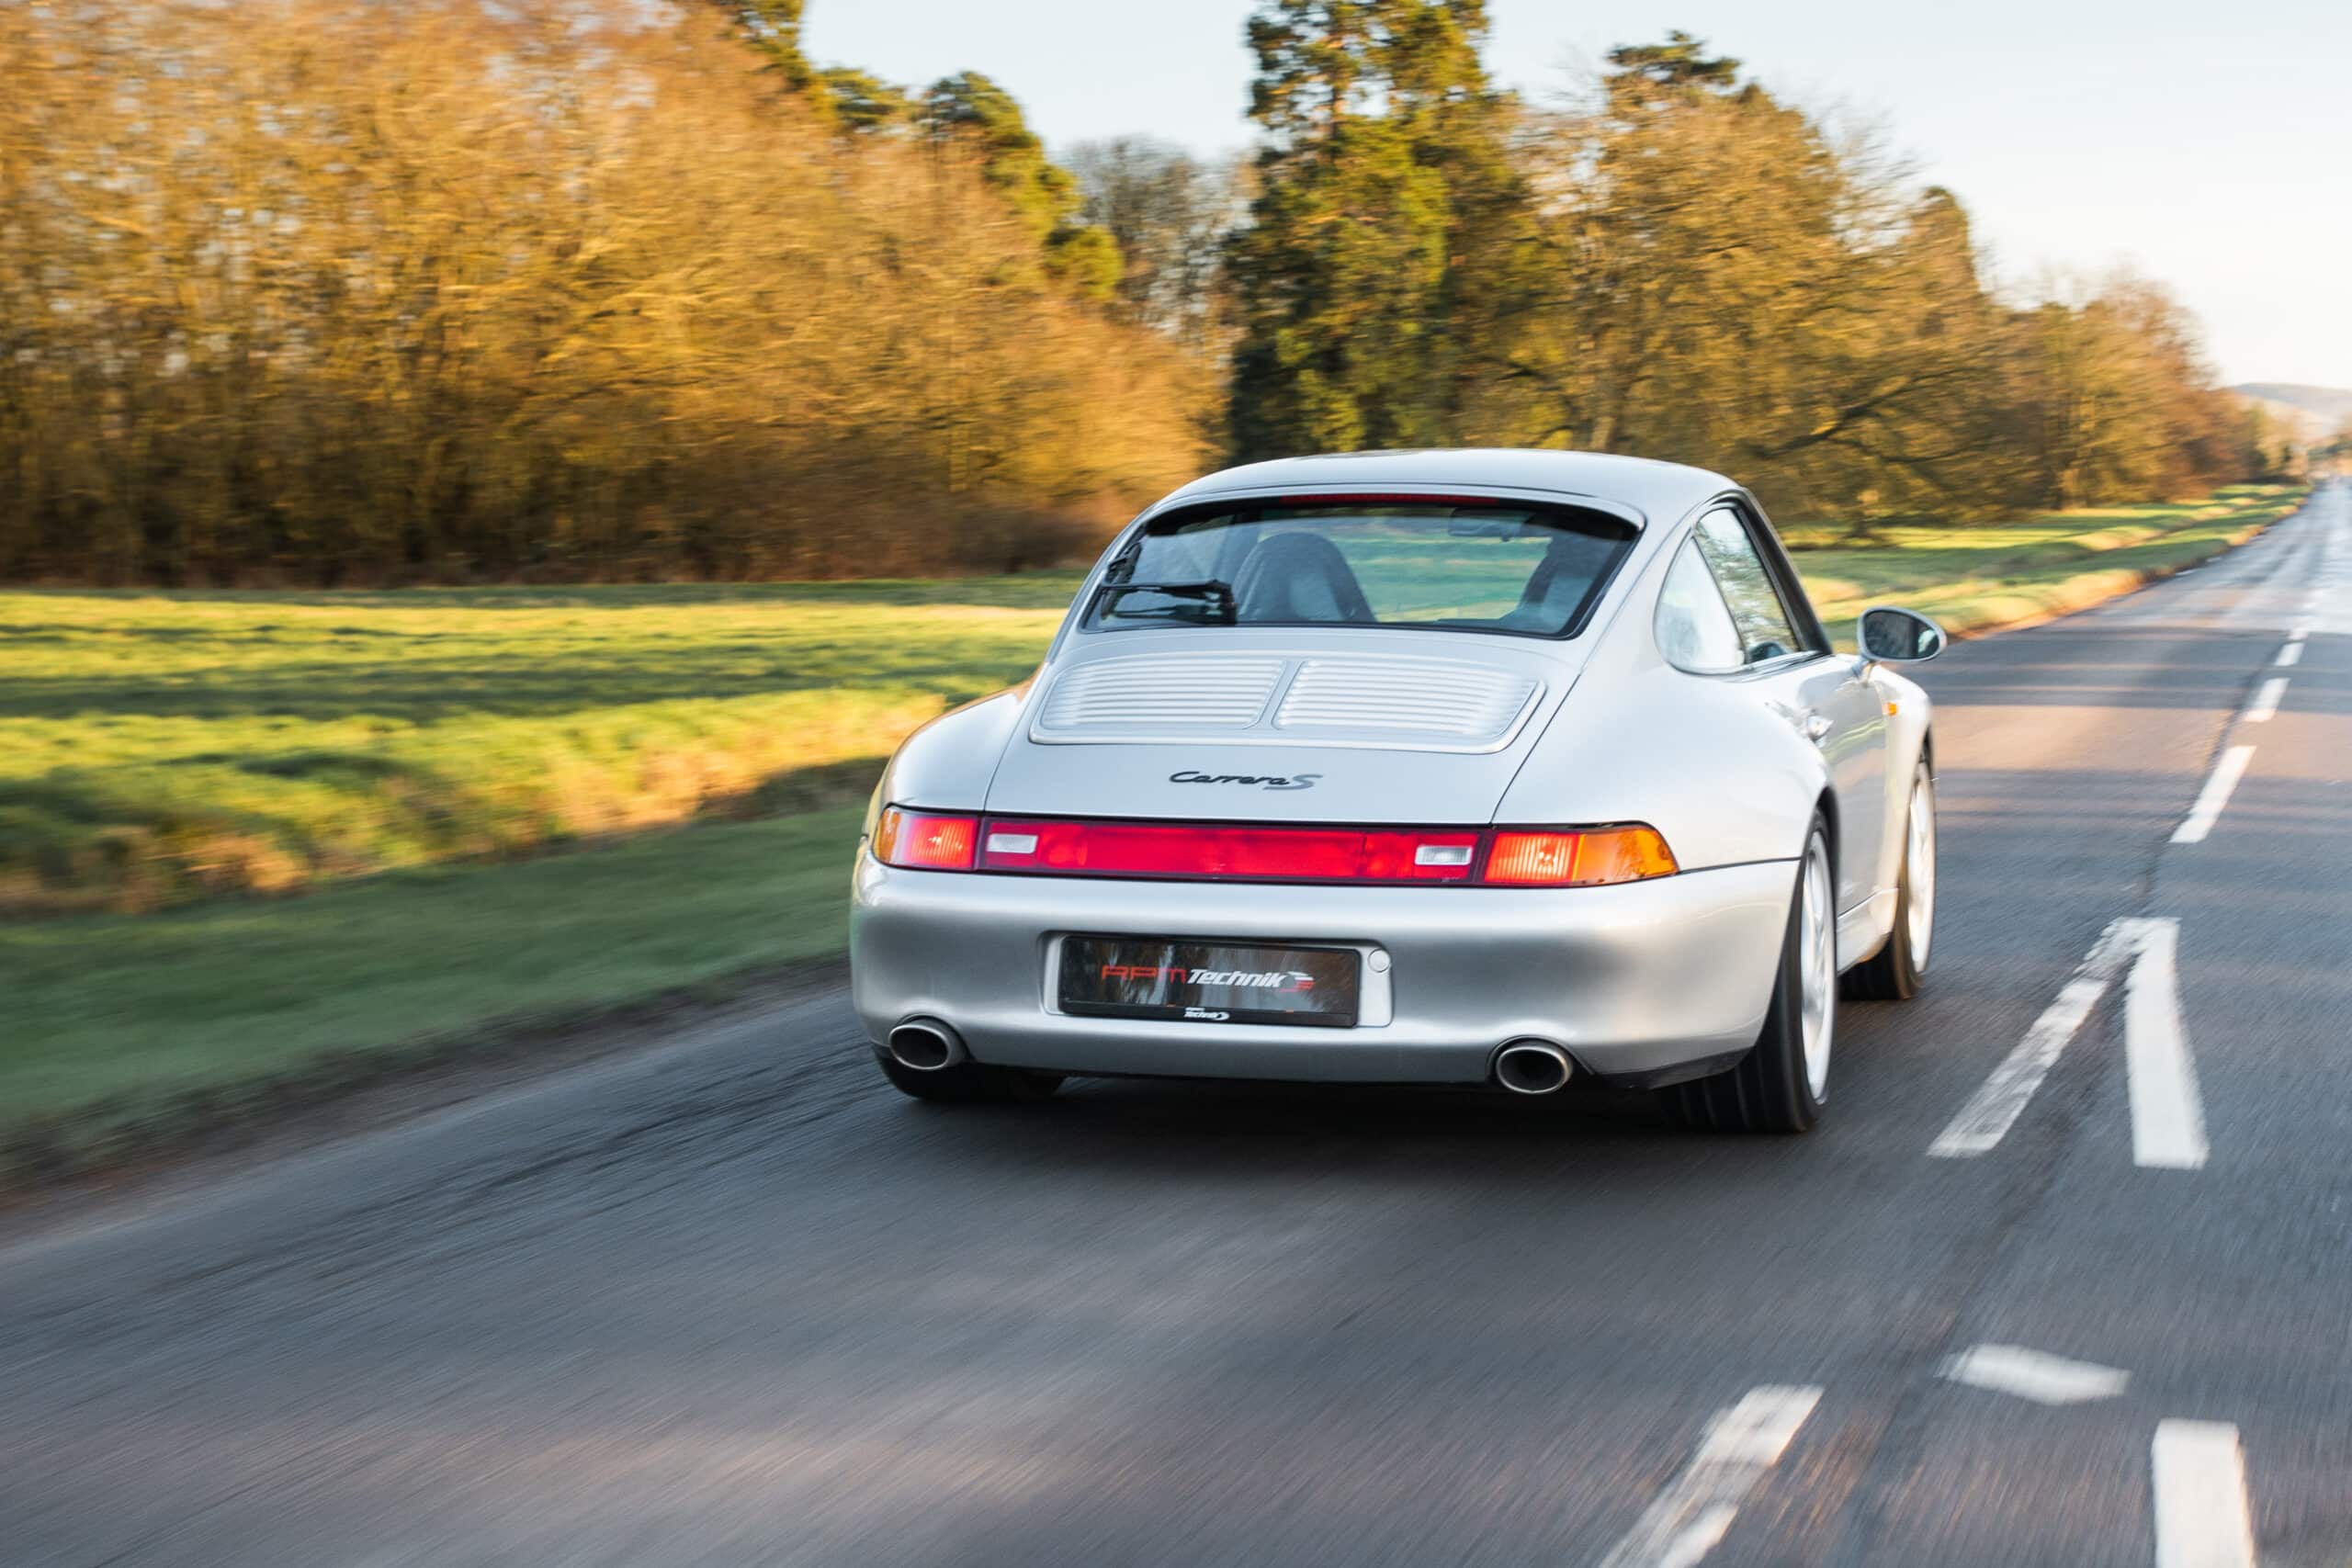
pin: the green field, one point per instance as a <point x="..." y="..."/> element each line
<point x="159" y="749"/>
<point x="242" y="831"/>
<point x="2005" y="574"/>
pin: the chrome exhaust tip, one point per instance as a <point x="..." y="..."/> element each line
<point x="924" y="1046"/>
<point x="1530" y="1066"/>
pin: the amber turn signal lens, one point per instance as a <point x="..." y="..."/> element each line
<point x="925" y="841"/>
<point x="1591" y="858"/>
<point x="1533" y="859"/>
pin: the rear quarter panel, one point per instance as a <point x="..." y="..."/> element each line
<point x="1696" y="757"/>
<point x="947" y="763"/>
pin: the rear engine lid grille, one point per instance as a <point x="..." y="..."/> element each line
<point x="1423" y="705"/>
<point x="1126" y="698"/>
<point x="1473" y="704"/>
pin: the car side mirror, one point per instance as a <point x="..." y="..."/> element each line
<point x="1899" y="637"/>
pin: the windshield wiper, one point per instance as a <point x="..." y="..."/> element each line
<point x="1209" y="594"/>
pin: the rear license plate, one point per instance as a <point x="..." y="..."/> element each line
<point x="1209" y="982"/>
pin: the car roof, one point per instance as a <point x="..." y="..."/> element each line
<point x="1660" y="491"/>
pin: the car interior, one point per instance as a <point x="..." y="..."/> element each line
<point x="1299" y="577"/>
<point x="1302" y="577"/>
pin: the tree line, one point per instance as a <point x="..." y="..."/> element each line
<point x="1683" y="267"/>
<point x="323" y="292"/>
<point x="328" y="292"/>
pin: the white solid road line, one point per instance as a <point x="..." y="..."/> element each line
<point x="1691" y="1515"/>
<point x="2035" y="1374"/>
<point x="1985" y="1120"/>
<point x="2265" y="702"/>
<point x="2168" y="1115"/>
<point x="2197" y="1475"/>
<point x="2290" y="654"/>
<point x="2214" y="797"/>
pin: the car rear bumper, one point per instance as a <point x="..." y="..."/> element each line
<point x="1637" y="983"/>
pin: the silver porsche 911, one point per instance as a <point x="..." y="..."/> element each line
<point x="1482" y="767"/>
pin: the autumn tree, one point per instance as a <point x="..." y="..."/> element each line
<point x="297" y="291"/>
<point x="773" y="28"/>
<point x="1681" y="68"/>
<point x="861" y="103"/>
<point x="969" y="111"/>
<point x="2120" y="400"/>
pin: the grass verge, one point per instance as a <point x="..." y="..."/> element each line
<point x="124" y="1031"/>
<point x="1996" y="576"/>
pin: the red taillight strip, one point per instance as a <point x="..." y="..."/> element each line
<point x="1227" y="852"/>
<point x="1230" y="852"/>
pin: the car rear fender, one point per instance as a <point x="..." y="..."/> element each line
<point x="1700" y="757"/>
<point x="947" y="763"/>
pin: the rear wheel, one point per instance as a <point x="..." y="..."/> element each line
<point x="970" y="1083"/>
<point x="1892" y="973"/>
<point x="1780" y="1086"/>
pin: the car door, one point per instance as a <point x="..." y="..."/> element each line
<point x="1796" y="675"/>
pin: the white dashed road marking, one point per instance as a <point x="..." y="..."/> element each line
<point x="2214" y="797"/>
<point x="2198" y="1477"/>
<point x="2266" y="700"/>
<point x="2290" y="654"/>
<point x="1691" y="1515"/>
<point x="2034" y="1374"/>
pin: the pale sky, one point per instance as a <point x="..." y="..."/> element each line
<point x="2207" y="145"/>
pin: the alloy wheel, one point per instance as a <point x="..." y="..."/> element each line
<point x="1817" y="955"/>
<point x="1919" y="868"/>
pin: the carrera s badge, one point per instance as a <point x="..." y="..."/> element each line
<point x="1293" y="781"/>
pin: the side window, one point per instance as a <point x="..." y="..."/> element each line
<point x="1765" y="628"/>
<point x="1694" y="631"/>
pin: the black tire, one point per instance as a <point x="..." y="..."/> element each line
<point x="970" y="1083"/>
<point x="1892" y="973"/>
<point x="1768" y="1092"/>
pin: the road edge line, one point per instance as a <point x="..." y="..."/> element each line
<point x="2167" y="1112"/>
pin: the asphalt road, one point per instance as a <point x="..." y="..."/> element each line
<point x="733" y="1301"/>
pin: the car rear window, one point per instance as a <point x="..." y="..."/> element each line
<point x="1528" y="570"/>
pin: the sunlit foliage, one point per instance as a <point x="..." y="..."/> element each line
<point x="1681" y="267"/>
<point x="332" y="291"/>
<point x="335" y="291"/>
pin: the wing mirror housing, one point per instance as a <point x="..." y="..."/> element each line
<point x="1898" y="636"/>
